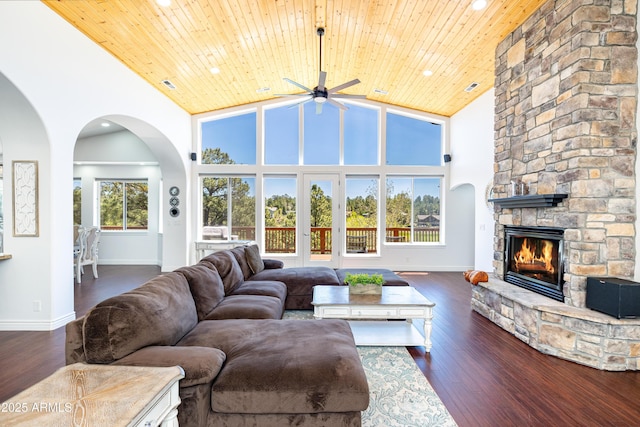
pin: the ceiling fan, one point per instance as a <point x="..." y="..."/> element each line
<point x="320" y="94"/>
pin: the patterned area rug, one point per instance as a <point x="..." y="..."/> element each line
<point x="400" y="395"/>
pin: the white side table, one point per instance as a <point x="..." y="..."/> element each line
<point x="204" y="246"/>
<point x="98" y="395"/>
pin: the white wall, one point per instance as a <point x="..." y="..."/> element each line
<point x="472" y="149"/>
<point x="118" y="155"/>
<point x="53" y="81"/>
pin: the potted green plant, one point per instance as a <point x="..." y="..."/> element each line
<point x="363" y="283"/>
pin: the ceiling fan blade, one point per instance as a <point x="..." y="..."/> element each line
<point x="336" y="104"/>
<point x="319" y="107"/>
<point x="343" y="86"/>
<point x="345" y="96"/>
<point x="322" y="79"/>
<point x="292" y="95"/>
<point x="297" y="84"/>
<point x="302" y="101"/>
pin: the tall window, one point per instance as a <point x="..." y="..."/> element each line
<point x="281" y="136"/>
<point x="413" y="210"/>
<point x="228" y="208"/>
<point x="413" y="142"/>
<point x="362" y="215"/>
<point x="77" y="201"/>
<point x="361" y="136"/>
<point x="280" y="214"/>
<point x="321" y="135"/>
<point x="124" y="205"/>
<point x="234" y="135"/>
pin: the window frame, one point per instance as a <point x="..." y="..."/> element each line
<point x="125" y="228"/>
<point x="229" y="201"/>
<point x="382" y="169"/>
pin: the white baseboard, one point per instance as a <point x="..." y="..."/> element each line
<point x="36" y="325"/>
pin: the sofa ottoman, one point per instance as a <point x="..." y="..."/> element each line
<point x="284" y="372"/>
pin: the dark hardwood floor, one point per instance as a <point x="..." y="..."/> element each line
<point x="484" y="375"/>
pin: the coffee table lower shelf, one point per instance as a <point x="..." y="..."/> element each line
<point x="387" y="332"/>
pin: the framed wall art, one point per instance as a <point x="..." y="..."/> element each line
<point x="25" y="198"/>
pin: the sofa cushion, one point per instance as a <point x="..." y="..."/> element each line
<point x="266" y="288"/>
<point x="252" y="254"/>
<point x="284" y="366"/>
<point x="248" y="307"/>
<point x="160" y="312"/>
<point x="200" y="364"/>
<point x="206" y="287"/>
<point x="299" y="280"/>
<point x="228" y="269"/>
<point x="240" y="256"/>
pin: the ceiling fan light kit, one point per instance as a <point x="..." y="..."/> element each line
<point x="320" y="94"/>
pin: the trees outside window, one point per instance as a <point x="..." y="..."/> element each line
<point x="234" y="135"/>
<point x="280" y="206"/>
<point x="376" y="148"/>
<point x="228" y="202"/>
<point x="228" y="207"/>
<point x="77" y="201"/>
<point x="362" y="213"/>
<point x="413" y="210"/>
<point x="124" y="205"/>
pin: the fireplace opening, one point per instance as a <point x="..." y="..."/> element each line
<point x="533" y="259"/>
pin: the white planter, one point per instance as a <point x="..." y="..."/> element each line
<point x="366" y="289"/>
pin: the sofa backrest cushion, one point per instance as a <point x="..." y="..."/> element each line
<point x="252" y="254"/>
<point x="206" y="287"/>
<point x="160" y="312"/>
<point x="239" y="252"/>
<point x="228" y="269"/>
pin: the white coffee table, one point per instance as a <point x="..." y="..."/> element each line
<point x="371" y="316"/>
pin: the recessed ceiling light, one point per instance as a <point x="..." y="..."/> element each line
<point x="105" y="124"/>
<point x="479" y="4"/>
<point x="380" y="91"/>
<point x="427" y="73"/>
<point x="214" y="70"/>
<point x="164" y="3"/>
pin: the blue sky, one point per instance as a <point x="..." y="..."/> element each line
<point x="409" y="141"/>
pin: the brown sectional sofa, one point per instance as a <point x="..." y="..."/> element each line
<point x="243" y="365"/>
<point x="300" y="280"/>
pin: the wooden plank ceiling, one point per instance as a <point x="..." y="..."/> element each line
<point x="387" y="44"/>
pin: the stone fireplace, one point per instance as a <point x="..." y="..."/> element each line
<point x="565" y="125"/>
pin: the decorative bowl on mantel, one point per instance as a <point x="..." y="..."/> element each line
<point x="364" y="284"/>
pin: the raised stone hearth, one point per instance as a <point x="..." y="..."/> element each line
<point x="578" y="334"/>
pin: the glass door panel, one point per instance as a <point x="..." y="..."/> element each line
<point x="321" y="227"/>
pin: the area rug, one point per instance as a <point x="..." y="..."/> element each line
<point x="399" y="394"/>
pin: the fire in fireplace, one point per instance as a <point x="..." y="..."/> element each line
<point x="533" y="259"/>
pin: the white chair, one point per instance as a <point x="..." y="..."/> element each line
<point x="87" y="251"/>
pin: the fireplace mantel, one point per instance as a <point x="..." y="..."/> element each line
<point x="530" y="201"/>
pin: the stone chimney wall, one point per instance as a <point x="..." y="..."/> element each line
<point x="565" y="122"/>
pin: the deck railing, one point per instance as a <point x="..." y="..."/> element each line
<point x="283" y="239"/>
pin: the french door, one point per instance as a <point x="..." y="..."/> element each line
<point x="321" y="220"/>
